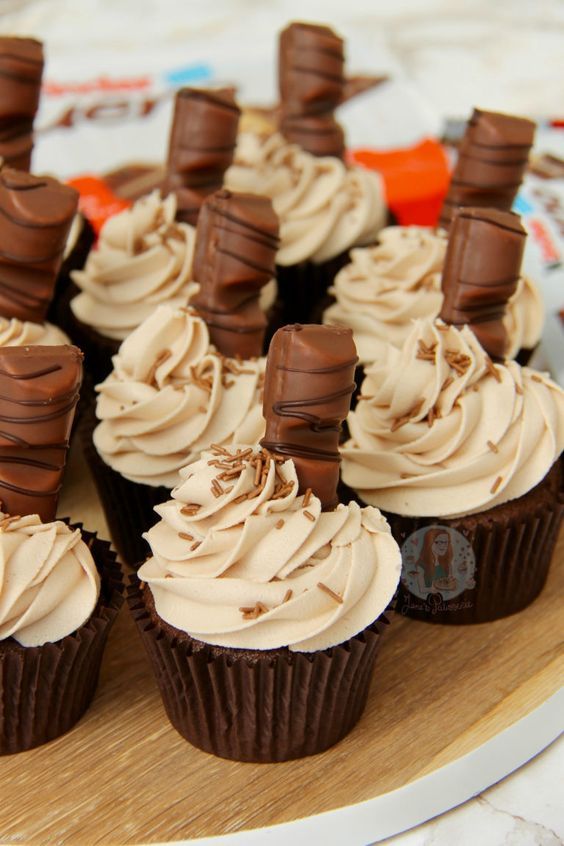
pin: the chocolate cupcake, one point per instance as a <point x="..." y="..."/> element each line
<point x="325" y="207"/>
<point x="144" y="254"/>
<point x="461" y="453"/>
<point x="60" y="588"/>
<point x="263" y="604"/>
<point x="185" y="379"/>
<point x="386" y="287"/>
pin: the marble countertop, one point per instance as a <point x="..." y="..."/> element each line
<point x="449" y="57"/>
<point x="525" y="809"/>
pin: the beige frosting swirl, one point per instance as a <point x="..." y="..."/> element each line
<point x="18" y="333"/>
<point x="171" y="395"/>
<point x="385" y="288"/>
<point x="324" y="207"/>
<point x="259" y="567"/>
<point x="142" y="258"/>
<point x="75" y="232"/>
<point x="442" y="432"/>
<point x="49" y="584"/>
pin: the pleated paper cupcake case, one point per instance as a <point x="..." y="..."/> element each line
<point x="262" y="707"/>
<point x="513" y="559"/>
<point x="45" y="690"/>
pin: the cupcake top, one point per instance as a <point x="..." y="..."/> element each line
<point x="240" y="560"/>
<point x="438" y="426"/>
<point x="385" y="288"/>
<point x="142" y="258"/>
<point x="18" y="333"/>
<point x="171" y="394"/>
<point x="324" y="206"/>
<point x="49" y="584"/>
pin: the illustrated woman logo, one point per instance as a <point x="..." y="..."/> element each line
<point x="434" y="565"/>
<point x="437" y="561"/>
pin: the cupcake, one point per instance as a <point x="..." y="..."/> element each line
<point x="37" y="215"/>
<point x="144" y="254"/>
<point x="262" y="605"/>
<point x="60" y="588"/>
<point x="386" y="287"/>
<point x="324" y="206"/>
<point x="461" y="453"/>
<point x="182" y="380"/>
<point x="143" y="258"/>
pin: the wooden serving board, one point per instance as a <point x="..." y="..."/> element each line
<point x="124" y="776"/>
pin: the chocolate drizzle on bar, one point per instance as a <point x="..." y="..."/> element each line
<point x="307" y="394"/>
<point x="21" y="70"/>
<point x="39" y="389"/>
<point x="493" y="156"/>
<point x="236" y="245"/>
<point x="481" y="271"/>
<point x="312" y="83"/>
<point x="201" y="147"/>
<point x="35" y="217"/>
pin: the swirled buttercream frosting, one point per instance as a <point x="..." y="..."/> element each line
<point x="324" y="206"/>
<point x="143" y="258"/>
<point x="240" y="560"/>
<point x="441" y="431"/>
<point x="386" y="287"/>
<point x="49" y="584"/>
<point x="22" y="333"/>
<point x="171" y="395"/>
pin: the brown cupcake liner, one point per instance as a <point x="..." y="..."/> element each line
<point x="74" y="261"/>
<point x="511" y="550"/>
<point x="302" y="286"/>
<point x="45" y="690"/>
<point x="128" y="506"/>
<point x="248" y="705"/>
<point x="98" y="350"/>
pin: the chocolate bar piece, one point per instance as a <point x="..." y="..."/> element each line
<point x="312" y="83"/>
<point x="481" y="271"/>
<point x="493" y="157"/>
<point x="36" y="214"/>
<point x="307" y="395"/>
<point x="21" y="70"/>
<point x="201" y="146"/>
<point x="236" y="245"/>
<point x="39" y="390"/>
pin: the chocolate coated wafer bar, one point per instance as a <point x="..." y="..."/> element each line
<point x="201" y="146"/>
<point x="307" y="395"/>
<point x="39" y="390"/>
<point x="236" y="245"/>
<point x="492" y="159"/>
<point x="311" y="80"/>
<point x="481" y="272"/>
<point x="35" y="217"/>
<point x="21" y="71"/>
